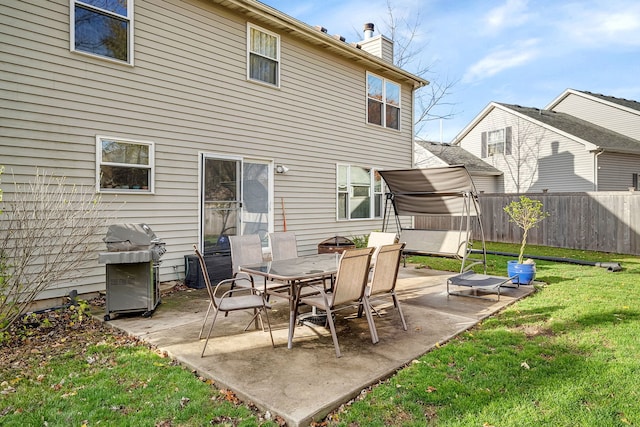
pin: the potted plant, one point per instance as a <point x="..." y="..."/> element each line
<point x="526" y="214"/>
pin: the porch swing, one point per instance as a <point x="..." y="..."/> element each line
<point x="446" y="191"/>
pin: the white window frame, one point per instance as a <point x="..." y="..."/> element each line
<point x="374" y="193"/>
<point x="128" y="18"/>
<point x="383" y="101"/>
<point x="496" y="141"/>
<point x="277" y="59"/>
<point x="150" y="167"/>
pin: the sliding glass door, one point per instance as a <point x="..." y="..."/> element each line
<point x="236" y="199"/>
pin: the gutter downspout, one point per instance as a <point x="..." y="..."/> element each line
<point x="595" y="169"/>
<point x="413" y="141"/>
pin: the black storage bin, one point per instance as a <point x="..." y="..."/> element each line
<point x="218" y="267"/>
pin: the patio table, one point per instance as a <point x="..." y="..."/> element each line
<point x="296" y="272"/>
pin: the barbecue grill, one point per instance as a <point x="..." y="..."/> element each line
<point x="132" y="263"/>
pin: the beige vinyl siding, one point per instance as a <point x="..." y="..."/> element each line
<point x="485" y="184"/>
<point x="533" y="166"/>
<point x="615" y="171"/>
<point x="187" y="92"/>
<point x="379" y="46"/>
<point x="601" y="113"/>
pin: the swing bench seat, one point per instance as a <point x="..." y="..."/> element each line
<point x="443" y="243"/>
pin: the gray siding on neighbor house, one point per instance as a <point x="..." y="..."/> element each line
<point x="615" y="171"/>
<point x="540" y="159"/>
<point x="188" y="93"/>
<point x="601" y="113"/>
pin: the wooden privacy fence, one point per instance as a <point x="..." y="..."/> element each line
<point x="599" y="221"/>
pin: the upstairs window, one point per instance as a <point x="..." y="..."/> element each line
<point x="359" y="193"/>
<point x="263" y="49"/>
<point x="496" y="141"/>
<point x="383" y="102"/>
<point x="103" y="28"/>
<point x="124" y="165"/>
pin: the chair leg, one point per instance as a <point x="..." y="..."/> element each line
<point x="256" y="316"/>
<point x="266" y="313"/>
<point x="396" y="302"/>
<point x="372" y="326"/>
<point x="332" y="327"/>
<point x="205" y="320"/>
<point x="209" y="333"/>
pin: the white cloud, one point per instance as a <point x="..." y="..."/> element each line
<point x="603" y="26"/>
<point x="500" y="60"/>
<point x="513" y="13"/>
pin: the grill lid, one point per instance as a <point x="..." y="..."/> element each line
<point x="130" y="237"/>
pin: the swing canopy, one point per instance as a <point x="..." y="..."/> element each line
<point x="431" y="191"/>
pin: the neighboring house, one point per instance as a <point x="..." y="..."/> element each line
<point x="432" y="154"/>
<point x="207" y="117"/>
<point x="581" y="142"/>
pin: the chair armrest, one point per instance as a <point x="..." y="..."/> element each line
<point x="252" y="291"/>
<point x="233" y="280"/>
<point x="245" y="276"/>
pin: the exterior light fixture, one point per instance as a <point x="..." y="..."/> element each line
<point x="281" y="169"/>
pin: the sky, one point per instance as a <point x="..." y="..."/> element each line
<point x="524" y="52"/>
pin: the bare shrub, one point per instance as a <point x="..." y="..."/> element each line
<point x="49" y="231"/>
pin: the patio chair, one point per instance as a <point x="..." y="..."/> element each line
<point x="347" y="291"/>
<point x="384" y="277"/>
<point x="245" y="298"/>
<point x="283" y="245"/>
<point x="378" y="239"/>
<point x="247" y="250"/>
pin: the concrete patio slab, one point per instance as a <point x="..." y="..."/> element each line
<point x="307" y="382"/>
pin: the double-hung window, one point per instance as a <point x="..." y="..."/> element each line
<point x="359" y="193"/>
<point x="103" y="28"/>
<point x="124" y="165"/>
<point x="383" y="102"/>
<point x="496" y="142"/>
<point x="263" y="60"/>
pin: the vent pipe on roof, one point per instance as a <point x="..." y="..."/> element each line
<point x="368" y="30"/>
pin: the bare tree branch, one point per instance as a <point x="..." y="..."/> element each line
<point x="409" y="55"/>
<point x="49" y="231"/>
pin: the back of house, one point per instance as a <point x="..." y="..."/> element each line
<point x="202" y="119"/>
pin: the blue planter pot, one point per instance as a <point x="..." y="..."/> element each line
<point x="525" y="272"/>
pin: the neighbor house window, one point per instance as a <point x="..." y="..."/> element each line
<point x="496" y="141"/>
<point x="359" y="192"/>
<point x="383" y="102"/>
<point x="635" y="182"/>
<point x="263" y="50"/>
<point x="124" y="165"/>
<point x="103" y="28"/>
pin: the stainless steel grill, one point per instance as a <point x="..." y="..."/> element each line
<point x="132" y="264"/>
<point x="127" y="240"/>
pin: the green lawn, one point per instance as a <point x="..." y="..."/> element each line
<point x="566" y="356"/>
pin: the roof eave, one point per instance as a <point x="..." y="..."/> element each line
<point x="485" y="111"/>
<point x="276" y="19"/>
